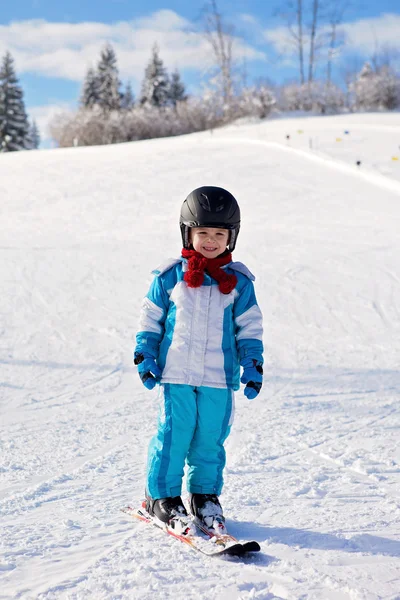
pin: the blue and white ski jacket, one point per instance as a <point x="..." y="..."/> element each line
<point x="199" y="336"/>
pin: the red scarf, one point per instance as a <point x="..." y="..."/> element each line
<point x="198" y="264"/>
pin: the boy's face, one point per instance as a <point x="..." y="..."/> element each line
<point x="209" y="241"/>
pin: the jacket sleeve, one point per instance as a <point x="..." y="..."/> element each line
<point x="248" y="324"/>
<point x="152" y="318"/>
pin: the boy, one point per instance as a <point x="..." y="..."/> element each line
<point x="199" y="322"/>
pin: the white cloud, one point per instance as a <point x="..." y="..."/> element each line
<point x="163" y="20"/>
<point x="281" y="40"/>
<point x="251" y="19"/>
<point x="367" y="35"/>
<point x="364" y="36"/>
<point x="67" y="49"/>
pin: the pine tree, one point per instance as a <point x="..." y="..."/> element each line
<point x="14" y="126"/>
<point x="127" y="98"/>
<point x="108" y="81"/>
<point x="90" y="91"/>
<point x="35" y="135"/>
<point x="177" y="89"/>
<point x="155" y="87"/>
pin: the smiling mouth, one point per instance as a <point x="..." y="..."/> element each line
<point x="209" y="249"/>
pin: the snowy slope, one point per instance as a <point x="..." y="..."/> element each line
<point x="313" y="468"/>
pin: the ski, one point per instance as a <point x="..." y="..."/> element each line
<point x="202" y="541"/>
<point x="251" y="546"/>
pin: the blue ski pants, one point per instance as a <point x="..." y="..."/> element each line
<point x="193" y="425"/>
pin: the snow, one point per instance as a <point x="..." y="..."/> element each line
<point x="313" y="469"/>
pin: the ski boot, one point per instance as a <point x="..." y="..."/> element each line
<point x="171" y="512"/>
<point x="207" y="509"/>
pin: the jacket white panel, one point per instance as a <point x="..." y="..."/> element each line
<point x="194" y="356"/>
<point x="150" y="314"/>
<point x="250" y="324"/>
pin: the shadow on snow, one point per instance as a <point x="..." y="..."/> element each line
<point x="303" y="538"/>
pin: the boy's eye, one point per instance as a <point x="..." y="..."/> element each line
<point x="220" y="233"/>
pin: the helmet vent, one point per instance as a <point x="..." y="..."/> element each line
<point x="205" y="203"/>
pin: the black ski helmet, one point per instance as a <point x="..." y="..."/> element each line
<point x="210" y="206"/>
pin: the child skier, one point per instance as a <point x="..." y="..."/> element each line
<point x="199" y="322"/>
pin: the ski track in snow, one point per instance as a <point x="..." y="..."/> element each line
<point x="313" y="464"/>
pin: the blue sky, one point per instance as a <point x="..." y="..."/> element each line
<point x="54" y="42"/>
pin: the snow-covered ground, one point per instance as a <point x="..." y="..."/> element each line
<point x="313" y="468"/>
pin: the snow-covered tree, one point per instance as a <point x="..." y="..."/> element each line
<point x="377" y="89"/>
<point x="90" y="91"/>
<point x="155" y="87"/>
<point x="334" y="98"/>
<point x="14" y="125"/>
<point x="127" y="98"/>
<point x="389" y="88"/>
<point x="177" y="89"/>
<point x="34" y="136"/>
<point x="109" y="97"/>
<point x="256" y="101"/>
<point x="366" y="89"/>
<point x="317" y="97"/>
<point x="292" y="97"/>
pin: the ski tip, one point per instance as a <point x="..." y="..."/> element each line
<point x="242" y="549"/>
<point x="235" y="550"/>
<point x="251" y="547"/>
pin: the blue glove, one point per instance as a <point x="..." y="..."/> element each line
<point x="252" y="376"/>
<point x="149" y="371"/>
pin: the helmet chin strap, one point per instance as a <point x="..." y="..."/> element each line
<point x="232" y="239"/>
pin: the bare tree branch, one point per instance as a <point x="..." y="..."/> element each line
<point x="220" y="37"/>
<point x="313" y="33"/>
<point x="300" y="38"/>
<point x="293" y="15"/>
<point x="335" y="19"/>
